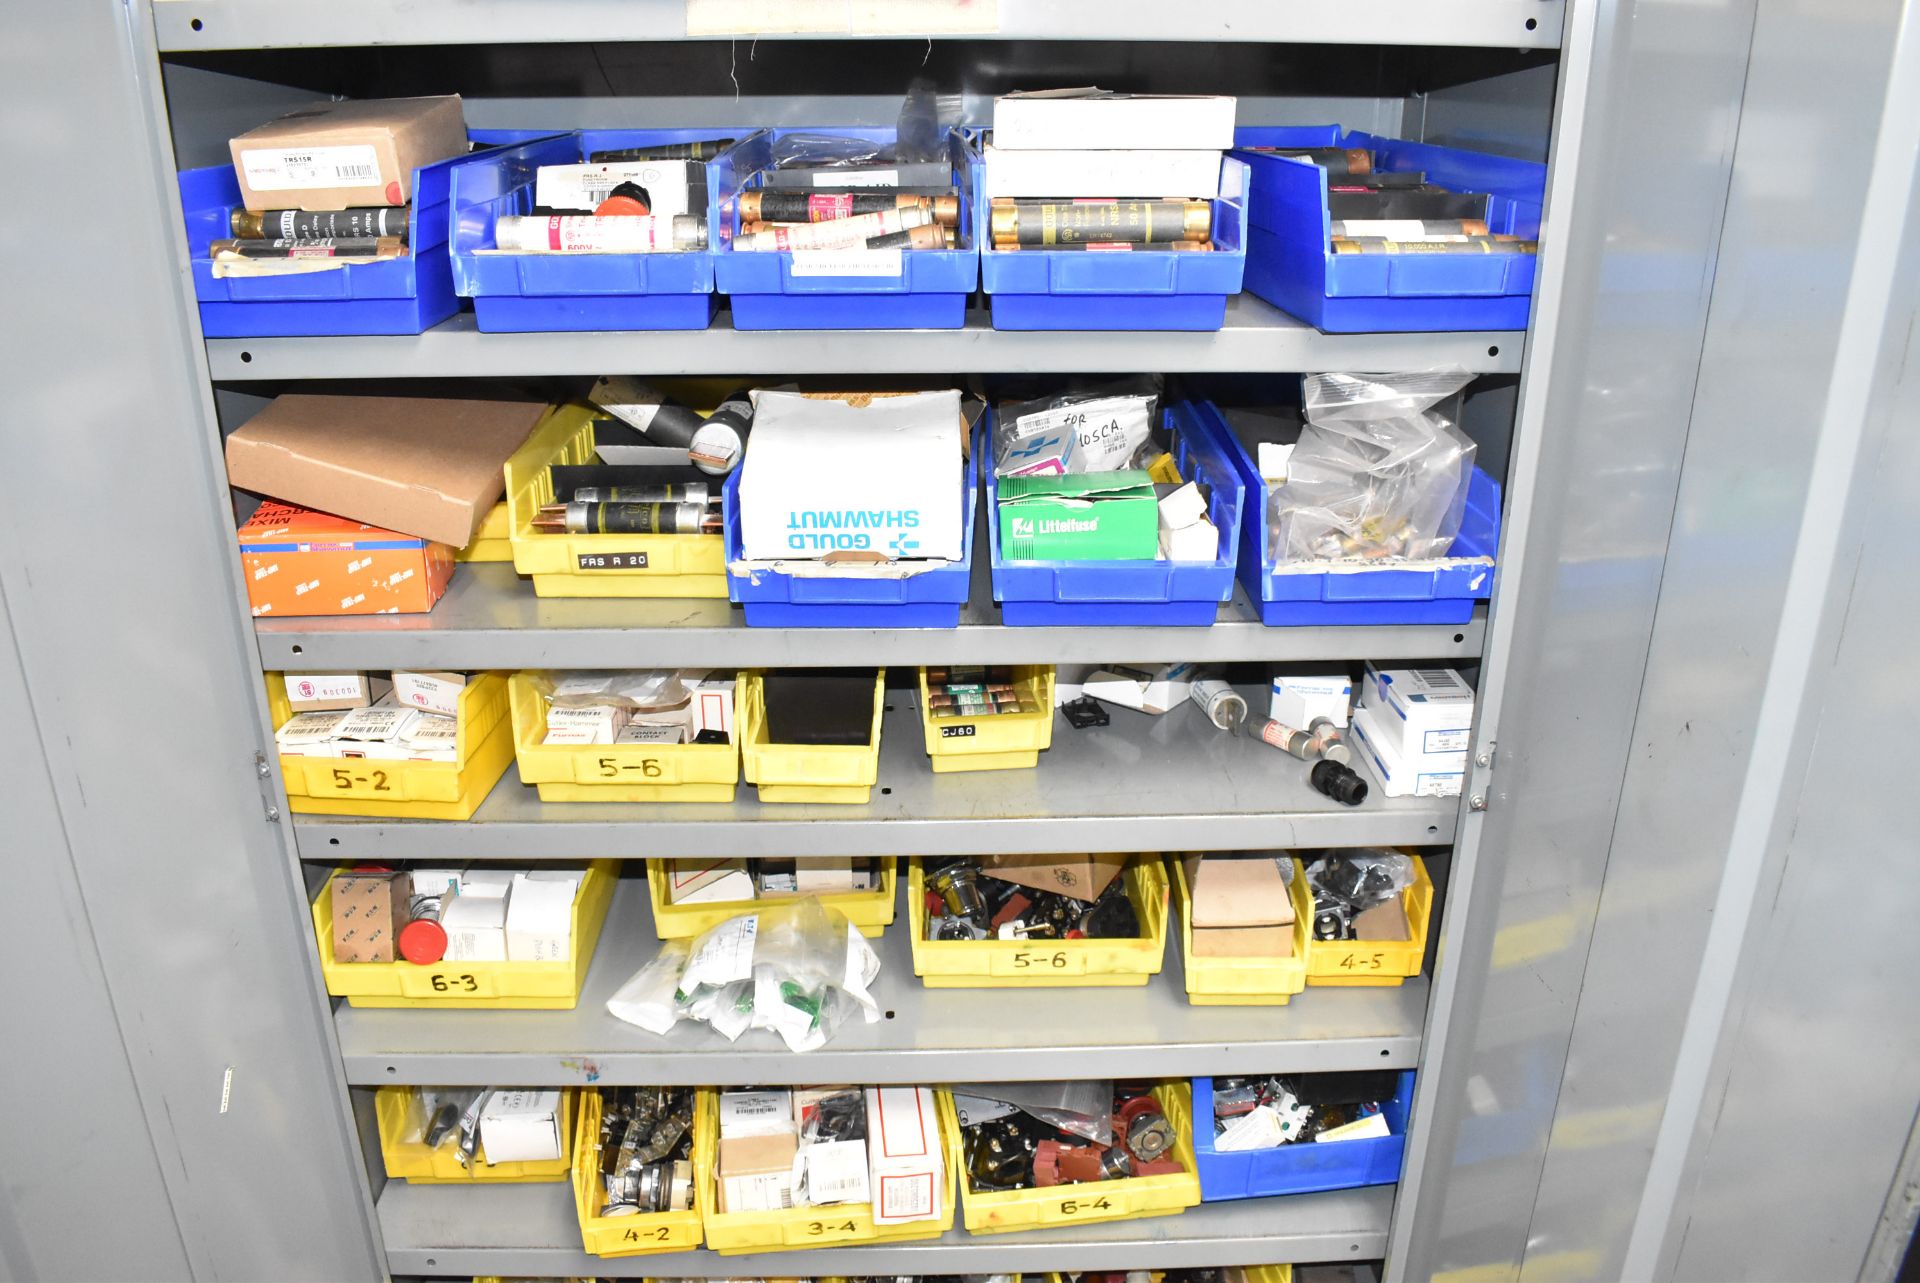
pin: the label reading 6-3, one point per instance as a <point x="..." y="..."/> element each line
<point x="612" y="560"/>
<point x="462" y="983"/>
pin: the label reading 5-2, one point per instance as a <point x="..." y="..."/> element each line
<point x="612" y="560"/>
<point x="957" y="732"/>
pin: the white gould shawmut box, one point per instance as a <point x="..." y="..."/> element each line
<point x="1424" y="711"/>
<point x="826" y="476"/>
<point x="903" y="1155"/>
<point x="1428" y="775"/>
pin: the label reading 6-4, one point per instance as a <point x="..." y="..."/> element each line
<point x="612" y="560"/>
<point x="1084" y="1206"/>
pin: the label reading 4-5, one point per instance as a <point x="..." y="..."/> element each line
<point x="1084" y="1206"/>
<point x="1362" y="962"/>
<point x="957" y="732"/>
<point x="612" y="560"/>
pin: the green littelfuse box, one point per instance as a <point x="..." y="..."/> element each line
<point x="1088" y="516"/>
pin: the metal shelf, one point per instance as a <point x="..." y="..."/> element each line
<point x="490" y="618"/>
<point x="1169" y="783"/>
<point x="1257" y="337"/>
<point x="928" y="1035"/>
<point x="532" y="1230"/>
<point x="184" y="25"/>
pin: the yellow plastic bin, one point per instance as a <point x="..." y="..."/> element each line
<point x="457" y="985"/>
<point x="1001" y="742"/>
<point x="870" y="911"/>
<point x="1245" y="982"/>
<point x="738" y="1233"/>
<point x="1122" y="1200"/>
<point x="1377" y="962"/>
<point x="805" y="772"/>
<point x="597" y="565"/>
<point x="1027" y="964"/>
<point x="493" y="540"/>
<point x="616" y="772"/>
<point x="405" y="790"/>
<point x="398" y="1112"/>
<point x="648" y="1232"/>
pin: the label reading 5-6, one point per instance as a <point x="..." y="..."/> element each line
<point x="612" y="560"/>
<point x="957" y="732"/>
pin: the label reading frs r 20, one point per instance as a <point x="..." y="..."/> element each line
<point x="290" y="169"/>
<point x="612" y="560"/>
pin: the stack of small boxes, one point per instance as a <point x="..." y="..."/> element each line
<point x="410" y="718"/>
<point x="479" y="914"/>
<point x="1240" y="906"/>
<point x="1414" y="724"/>
<point x="691" y="881"/>
<point x="819" y="1146"/>
<point x="708" y="714"/>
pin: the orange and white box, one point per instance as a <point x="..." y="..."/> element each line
<point x="301" y="562"/>
<point x="903" y="1155"/>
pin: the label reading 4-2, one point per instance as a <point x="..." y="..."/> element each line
<point x="612" y="560"/>
<point x="957" y="732"/>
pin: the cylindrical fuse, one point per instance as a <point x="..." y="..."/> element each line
<point x="581" y="518"/>
<point x="1145" y="247"/>
<point x="1476" y="245"/>
<point x="588" y="234"/>
<point x="665" y="492"/>
<point x="319" y="225"/>
<point x="1407" y="229"/>
<point x="844" y="233"/>
<point x="1053" y="222"/>
<point x="928" y="237"/>
<point x="1305" y="745"/>
<point x="793" y="205"/>
<point x="336" y="247"/>
<point x="1329" y="741"/>
<point x="722" y="437"/>
<point x="1221" y="703"/>
<point x="1335" y="160"/>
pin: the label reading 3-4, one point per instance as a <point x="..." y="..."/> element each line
<point x="612" y="560"/>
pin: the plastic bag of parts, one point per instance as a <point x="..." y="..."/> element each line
<point x="825" y="151"/>
<point x="797" y="968"/>
<point x="1082" y="1108"/>
<point x="1347" y="885"/>
<point x="443" y="1114"/>
<point x="1379" y="472"/>
<point x="641" y="690"/>
<point x="1092" y="429"/>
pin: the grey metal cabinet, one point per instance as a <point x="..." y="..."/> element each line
<point x="1655" y="677"/>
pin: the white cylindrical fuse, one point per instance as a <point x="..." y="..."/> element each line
<point x="1221" y="703"/>
<point x="841" y="233"/>
<point x="590" y="234"/>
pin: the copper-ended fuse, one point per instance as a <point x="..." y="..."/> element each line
<point x="581" y="518"/>
<point x="1053" y="222"/>
<point x="783" y="205"/>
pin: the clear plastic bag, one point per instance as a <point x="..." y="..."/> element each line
<point x="1093" y="429"/>
<point x="640" y="690"/>
<point x="1084" y="1108"/>
<point x="1347" y="885"/>
<point x="444" y="1114"/>
<point x="1380" y="472"/>
<point x="825" y="151"/>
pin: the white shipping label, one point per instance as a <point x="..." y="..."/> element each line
<point x="762" y="1192"/>
<point x="291" y="169"/>
<point x="863" y="178"/>
<point x="755" y="1113"/>
<point x="834" y="1171"/>
<point x="1454" y="741"/>
<point x="847" y="262"/>
<point x="905" y="1198"/>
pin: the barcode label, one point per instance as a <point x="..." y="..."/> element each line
<point x="1438" y="678"/>
<point x="294" y="169"/>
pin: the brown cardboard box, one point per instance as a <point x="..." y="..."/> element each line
<point x="332" y="692"/>
<point x="756" y="1172"/>
<point x="299" y="562"/>
<point x="1243" y="942"/>
<point x="332" y="155"/>
<point x="425" y="466"/>
<point x="1083" y="877"/>
<point x="1385" y="921"/>
<point x="1237" y="891"/>
<point x="368" y="911"/>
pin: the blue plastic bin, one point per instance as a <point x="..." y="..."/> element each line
<point x="514" y="293"/>
<point x="1136" y="290"/>
<point x="1042" y="594"/>
<point x="1442" y="594"/>
<point x="1291" y="265"/>
<point x="929" y="294"/>
<point x="1304" y="1167"/>
<point x="404" y="296"/>
<point x="931" y="599"/>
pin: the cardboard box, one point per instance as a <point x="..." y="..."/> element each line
<point x="377" y="725"/>
<point x="1426" y="712"/>
<point x="591" y="724"/>
<point x="540" y="921"/>
<point x="476" y="927"/>
<point x="434" y="738"/>
<point x="427" y="466"/>
<point x="304" y="732"/>
<point x="824" y="876"/>
<point x="833" y="1171"/>
<point x="1098" y="120"/>
<point x="904" y="1159"/>
<point x="330" y="692"/>
<point x="300" y="562"/>
<point x="333" y="155"/>
<point x="1083" y="877"/>
<point x="1397" y="775"/>
<point x="521" y="1126"/>
<point x="704" y="881"/>
<point x="878" y="475"/>
<point x="673" y="186"/>
<point x="497" y="883"/>
<point x="650" y="733"/>
<point x="1384" y="921"/>
<point x="1087" y="516"/>
<point x="368" y="911"/>
<point x="756" y="1172"/>
<point x="1297" y="700"/>
<point x="1237" y="891"/>
<point x="1243" y="942"/>
<point x="1156" y="690"/>
<point x="437" y="693"/>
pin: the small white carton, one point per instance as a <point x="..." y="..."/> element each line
<point x="1297" y="700"/>
<point x="903" y="1155"/>
<point x="431" y="692"/>
<point x="1400" y="776"/>
<point x="540" y="921"/>
<point x="1425" y="711"/>
<point x="521" y="1126"/>
<point x="476" y="927"/>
